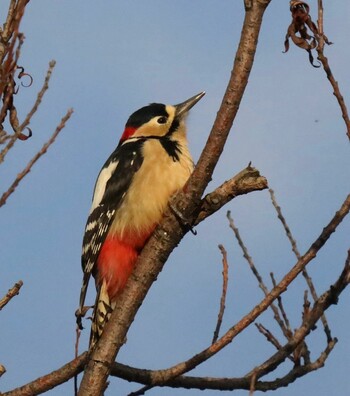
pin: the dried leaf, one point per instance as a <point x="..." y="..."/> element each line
<point x="299" y="29"/>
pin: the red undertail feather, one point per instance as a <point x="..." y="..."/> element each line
<point x="115" y="263"/>
<point x="117" y="259"/>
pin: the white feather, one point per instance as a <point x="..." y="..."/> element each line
<point x="101" y="184"/>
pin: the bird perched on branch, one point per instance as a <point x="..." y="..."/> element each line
<point x="151" y="162"/>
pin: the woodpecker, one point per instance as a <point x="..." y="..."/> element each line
<point x="151" y="162"/>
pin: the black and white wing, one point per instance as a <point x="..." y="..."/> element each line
<point x="112" y="183"/>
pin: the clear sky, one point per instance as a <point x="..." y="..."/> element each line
<point x="112" y="58"/>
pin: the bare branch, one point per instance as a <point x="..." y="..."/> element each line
<point x="270" y="337"/>
<point x="328" y="298"/>
<point x="223" y="295"/>
<point x="49" y="381"/>
<point x="322" y="58"/>
<point x="252" y="385"/>
<point x="141" y="391"/>
<point x="14" y="291"/>
<point x="246" y="181"/>
<point x="144" y="376"/>
<point x="42" y="151"/>
<point x="281" y="308"/>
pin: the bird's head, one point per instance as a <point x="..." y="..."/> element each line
<point x="159" y="119"/>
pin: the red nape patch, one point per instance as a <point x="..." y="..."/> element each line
<point x="128" y="132"/>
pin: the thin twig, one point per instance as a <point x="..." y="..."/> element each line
<point x="256" y="273"/>
<point x="252" y="385"/>
<point x="297" y="254"/>
<point x="223" y="295"/>
<point x="14" y="291"/>
<point x="270" y="337"/>
<point x="322" y="58"/>
<point x="76" y="354"/>
<point x="40" y="96"/>
<point x="281" y="307"/>
<point x="40" y="153"/>
<point x="141" y="391"/>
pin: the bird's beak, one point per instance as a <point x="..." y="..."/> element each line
<point x="184" y="107"/>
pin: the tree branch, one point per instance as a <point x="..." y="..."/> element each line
<point x="246" y="181"/>
<point x="322" y="58"/>
<point x="49" y="381"/>
<point x="224" y="384"/>
<point x="165" y="375"/>
<point x="14" y="291"/>
<point x="223" y="294"/>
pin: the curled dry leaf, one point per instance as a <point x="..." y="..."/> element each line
<point x="302" y="30"/>
<point x="22" y="136"/>
<point x="8" y="101"/>
<point x="21" y="74"/>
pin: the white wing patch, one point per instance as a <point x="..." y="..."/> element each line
<point x="101" y="184"/>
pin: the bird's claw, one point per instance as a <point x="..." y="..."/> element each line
<point x="184" y="222"/>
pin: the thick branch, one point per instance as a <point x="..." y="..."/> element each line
<point x="246" y="181"/>
<point x="49" y="381"/>
<point x="225" y="384"/>
<point x="168" y="234"/>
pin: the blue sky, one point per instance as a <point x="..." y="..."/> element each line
<point x="112" y="58"/>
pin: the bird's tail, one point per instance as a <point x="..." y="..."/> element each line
<point x="102" y="312"/>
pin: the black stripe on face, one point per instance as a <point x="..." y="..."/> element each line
<point x="143" y="115"/>
<point x="173" y="127"/>
<point x="172" y="147"/>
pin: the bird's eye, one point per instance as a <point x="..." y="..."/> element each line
<point x="162" y="120"/>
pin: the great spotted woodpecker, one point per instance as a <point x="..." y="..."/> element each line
<point x="151" y="162"/>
